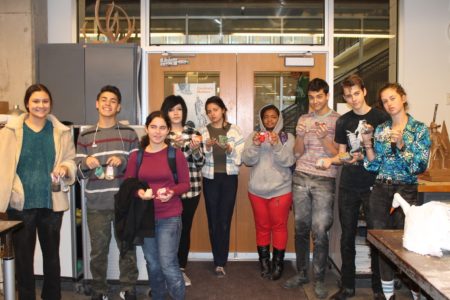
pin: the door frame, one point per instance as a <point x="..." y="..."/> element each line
<point x="237" y="91"/>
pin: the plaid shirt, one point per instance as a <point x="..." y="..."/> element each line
<point x="195" y="159"/>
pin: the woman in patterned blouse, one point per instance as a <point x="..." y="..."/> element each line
<point x="399" y="153"/>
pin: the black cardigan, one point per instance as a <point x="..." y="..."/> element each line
<point x="134" y="217"/>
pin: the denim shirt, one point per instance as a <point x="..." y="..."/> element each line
<point x="402" y="165"/>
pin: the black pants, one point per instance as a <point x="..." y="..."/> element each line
<point x="350" y="202"/>
<point x="220" y="197"/>
<point x="189" y="208"/>
<point x="47" y="223"/>
<point x="380" y="205"/>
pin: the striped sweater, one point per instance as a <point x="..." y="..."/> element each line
<point x="313" y="147"/>
<point x="102" y="143"/>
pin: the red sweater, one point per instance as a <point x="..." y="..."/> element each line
<point x="156" y="172"/>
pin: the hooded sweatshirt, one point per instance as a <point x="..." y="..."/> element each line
<point x="271" y="174"/>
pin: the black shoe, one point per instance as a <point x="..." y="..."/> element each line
<point x="99" y="297"/>
<point x="378" y="296"/>
<point x="277" y="263"/>
<point x="343" y="294"/>
<point x="264" y="260"/>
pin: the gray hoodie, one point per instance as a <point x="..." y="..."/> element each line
<point x="270" y="175"/>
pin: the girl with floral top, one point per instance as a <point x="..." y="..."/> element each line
<point x="398" y="154"/>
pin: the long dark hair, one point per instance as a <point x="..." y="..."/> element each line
<point x="219" y="102"/>
<point x="145" y="140"/>
<point x="37" y="87"/>
<point x="170" y="102"/>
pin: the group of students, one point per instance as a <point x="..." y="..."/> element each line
<point x="172" y="160"/>
<point x="381" y="150"/>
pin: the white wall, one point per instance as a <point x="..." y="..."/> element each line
<point x="62" y="21"/>
<point x="424" y="57"/>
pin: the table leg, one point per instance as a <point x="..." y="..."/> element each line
<point x="9" y="289"/>
<point x="9" y="276"/>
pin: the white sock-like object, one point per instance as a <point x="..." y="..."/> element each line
<point x="388" y="288"/>
<point x="416" y="295"/>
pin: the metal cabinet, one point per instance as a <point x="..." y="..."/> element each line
<point x="74" y="74"/>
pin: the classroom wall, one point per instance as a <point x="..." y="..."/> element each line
<point x="424" y="57"/>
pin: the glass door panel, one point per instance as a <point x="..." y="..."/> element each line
<point x="285" y="90"/>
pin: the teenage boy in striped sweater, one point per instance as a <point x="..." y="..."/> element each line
<point x="102" y="155"/>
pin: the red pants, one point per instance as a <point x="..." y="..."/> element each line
<point x="271" y="217"/>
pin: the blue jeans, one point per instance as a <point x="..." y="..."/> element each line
<point x="313" y="210"/>
<point x="160" y="255"/>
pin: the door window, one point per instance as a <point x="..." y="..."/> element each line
<point x="195" y="88"/>
<point x="285" y="90"/>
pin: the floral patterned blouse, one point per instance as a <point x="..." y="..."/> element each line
<point x="401" y="165"/>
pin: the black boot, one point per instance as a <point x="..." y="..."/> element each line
<point x="277" y="263"/>
<point x="264" y="260"/>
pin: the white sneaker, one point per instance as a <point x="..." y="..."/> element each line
<point x="187" y="281"/>
<point x="220" y="272"/>
<point x="127" y="295"/>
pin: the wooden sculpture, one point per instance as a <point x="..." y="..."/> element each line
<point x="439" y="163"/>
<point x="111" y="28"/>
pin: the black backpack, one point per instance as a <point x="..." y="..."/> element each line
<point x="171" y="157"/>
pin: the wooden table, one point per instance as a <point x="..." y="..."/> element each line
<point x="426" y="186"/>
<point x="6" y="228"/>
<point x="433" y="191"/>
<point x="431" y="273"/>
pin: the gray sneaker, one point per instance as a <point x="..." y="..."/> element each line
<point x="295" y="281"/>
<point x="320" y="289"/>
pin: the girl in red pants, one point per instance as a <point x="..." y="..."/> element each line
<point x="270" y="154"/>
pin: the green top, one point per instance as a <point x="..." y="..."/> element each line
<point x="35" y="165"/>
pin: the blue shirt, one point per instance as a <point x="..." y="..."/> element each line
<point x="36" y="161"/>
<point x="404" y="164"/>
